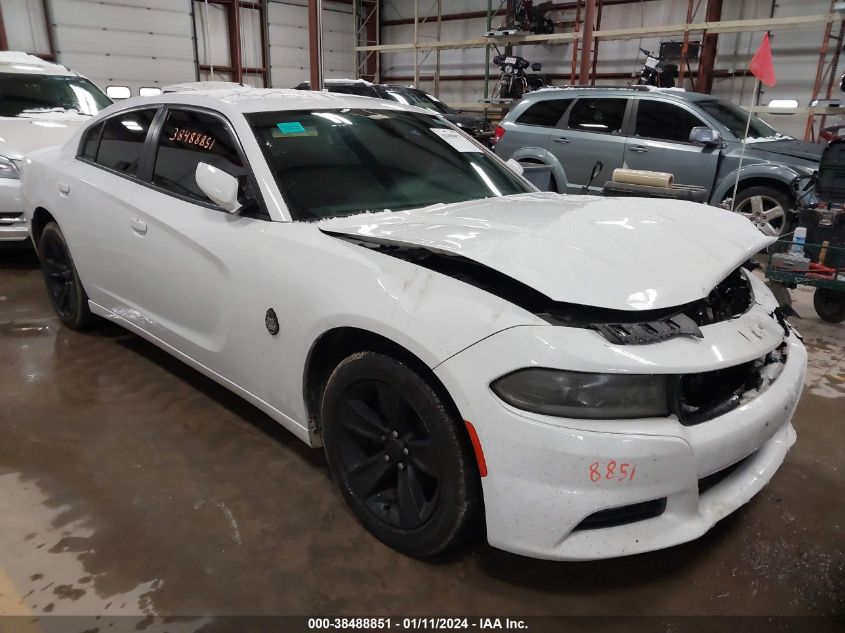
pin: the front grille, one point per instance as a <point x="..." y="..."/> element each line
<point x="10" y="214"/>
<point x="708" y="482"/>
<point x="623" y="515"/>
<point x="708" y="395"/>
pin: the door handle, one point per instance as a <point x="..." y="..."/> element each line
<point x="639" y="149"/>
<point x="138" y="225"/>
<point x="561" y="139"/>
<point x="64" y="189"/>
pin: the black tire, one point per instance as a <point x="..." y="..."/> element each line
<point x="62" y="280"/>
<point x="756" y="202"/>
<point x="829" y="305"/>
<point x="402" y="462"/>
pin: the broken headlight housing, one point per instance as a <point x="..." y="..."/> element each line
<point x="572" y="394"/>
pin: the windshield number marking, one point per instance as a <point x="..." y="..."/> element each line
<point x="192" y="137"/>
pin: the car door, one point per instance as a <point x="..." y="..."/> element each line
<point x="660" y="142"/>
<point x="592" y="131"/>
<point x="100" y="188"/>
<point x="195" y="262"/>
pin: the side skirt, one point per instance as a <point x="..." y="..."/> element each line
<point x="300" y="431"/>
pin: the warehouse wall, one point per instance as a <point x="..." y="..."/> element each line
<point x="795" y="52"/>
<point x="150" y="43"/>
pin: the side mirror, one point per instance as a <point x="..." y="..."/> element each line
<point x="536" y="67"/>
<point x="220" y="187"/>
<point x="704" y="135"/>
<point x="515" y="166"/>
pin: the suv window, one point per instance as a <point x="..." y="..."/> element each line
<point x="91" y="142"/>
<point x="187" y="139"/>
<point x="664" y="121"/>
<point x="122" y="143"/>
<point x="603" y="115"/>
<point x="545" y="113"/>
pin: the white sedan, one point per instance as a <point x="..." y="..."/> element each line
<point x="592" y="377"/>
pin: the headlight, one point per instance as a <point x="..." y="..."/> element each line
<point x="591" y="396"/>
<point x="8" y="169"/>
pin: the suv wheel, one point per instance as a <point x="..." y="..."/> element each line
<point x="768" y="208"/>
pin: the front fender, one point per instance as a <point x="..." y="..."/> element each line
<point x="779" y="174"/>
<point x="547" y="158"/>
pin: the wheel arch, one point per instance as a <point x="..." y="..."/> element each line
<point x="543" y="157"/>
<point x="332" y="346"/>
<point x="757" y="175"/>
<point x="40" y="218"/>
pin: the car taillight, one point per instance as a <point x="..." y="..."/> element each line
<point x="500" y="132"/>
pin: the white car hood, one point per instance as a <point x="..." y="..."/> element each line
<point x="21" y="135"/>
<point x="616" y="253"/>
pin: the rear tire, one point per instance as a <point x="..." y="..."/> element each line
<point x="64" y="288"/>
<point x="402" y="462"/>
<point x="829" y="305"/>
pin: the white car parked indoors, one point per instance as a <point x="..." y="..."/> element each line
<point x="592" y="377"/>
<point x="41" y="104"/>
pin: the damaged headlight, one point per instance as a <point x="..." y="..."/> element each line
<point x="583" y="395"/>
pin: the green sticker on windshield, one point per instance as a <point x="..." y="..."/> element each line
<point x="290" y="127"/>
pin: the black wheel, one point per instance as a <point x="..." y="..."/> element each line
<point x="768" y="208"/>
<point x="829" y="305"/>
<point x="400" y="459"/>
<point x="63" y="286"/>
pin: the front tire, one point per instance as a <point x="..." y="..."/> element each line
<point x="62" y="280"/>
<point x="402" y="462"/>
<point x="768" y="208"/>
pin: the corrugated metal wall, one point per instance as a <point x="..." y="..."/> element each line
<point x="138" y="43"/>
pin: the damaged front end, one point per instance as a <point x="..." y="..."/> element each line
<point x="730" y="298"/>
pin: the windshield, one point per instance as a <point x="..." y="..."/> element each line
<point x="34" y="95"/>
<point x="420" y="99"/>
<point x="735" y="119"/>
<point x="342" y="162"/>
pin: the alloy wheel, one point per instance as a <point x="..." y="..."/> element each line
<point x="388" y="461"/>
<point x="765" y="212"/>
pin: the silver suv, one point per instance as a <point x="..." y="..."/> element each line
<point x="696" y="137"/>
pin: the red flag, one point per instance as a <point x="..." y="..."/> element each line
<point x="761" y="65"/>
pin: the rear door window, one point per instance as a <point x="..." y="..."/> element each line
<point x="664" y="121"/>
<point x="122" y="143"/>
<point x="188" y="138"/>
<point x="91" y="141"/>
<point x="546" y="113"/>
<point x="602" y="115"/>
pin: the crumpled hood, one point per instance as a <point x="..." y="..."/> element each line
<point x="789" y="147"/>
<point x="616" y="253"/>
<point x="20" y="135"/>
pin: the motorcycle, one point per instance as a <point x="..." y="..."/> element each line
<point x="513" y="82"/>
<point x="527" y="17"/>
<point x="656" y="72"/>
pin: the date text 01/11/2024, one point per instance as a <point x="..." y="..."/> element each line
<point x="416" y="623"/>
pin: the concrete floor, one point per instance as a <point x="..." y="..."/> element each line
<point x="130" y="484"/>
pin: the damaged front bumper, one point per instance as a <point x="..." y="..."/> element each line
<point x="555" y="486"/>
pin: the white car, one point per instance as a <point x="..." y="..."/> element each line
<point x="41" y="104"/>
<point x="593" y="377"/>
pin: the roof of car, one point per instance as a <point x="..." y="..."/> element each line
<point x="25" y="64"/>
<point x="623" y="91"/>
<point x="246" y="99"/>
